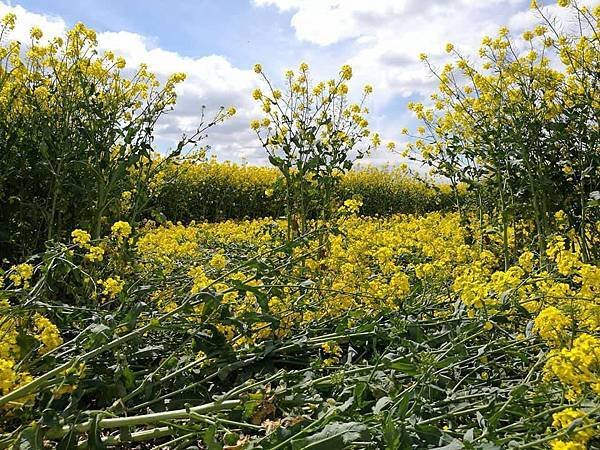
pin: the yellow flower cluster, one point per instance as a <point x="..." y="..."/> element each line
<point x="120" y="230"/>
<point x="167" y="244"/>
<point x="215" y="190"/>
<point x="564" y="298"/>
<point x="351" y="206"/>
<point x="218" y="261"/>
<point x="82" y="239"/>
<point x="47" y="334"/>
<point x="367" y="268"/>
<point x="95" y="254"/>
<point x="578" y="367"/>
<point x="112" y="286"/>
<point x="565" y="419"/>
<point x="11" y="354"/>
<point x="21" y="274"/>
<point x="553" y="325"/>
<point x="334" y="352"/>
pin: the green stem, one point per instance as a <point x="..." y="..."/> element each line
<point x="28" y="388"/>
<point x="144" y="419"/>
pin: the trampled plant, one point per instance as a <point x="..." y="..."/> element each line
<point x="438" y="331"/>
<point x="400" y="335"/>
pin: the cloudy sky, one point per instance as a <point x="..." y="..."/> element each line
<point x="216" y="43"/>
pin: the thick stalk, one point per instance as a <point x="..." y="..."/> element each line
<point x="144" y="419"/>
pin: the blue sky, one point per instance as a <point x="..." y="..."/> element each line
<point x="217" y="42"/>
<point x="192" y="28"/>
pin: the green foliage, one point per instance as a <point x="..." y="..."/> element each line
<point x="76" y="136"/>
<point x="312" y="135"/>
<point x="133" y="368"/>
<point x="520" y="126"/>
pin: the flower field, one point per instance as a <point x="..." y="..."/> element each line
<point x="166" y="300"/>
<point x="214" y="191"/>
<point x="399" y="331"/>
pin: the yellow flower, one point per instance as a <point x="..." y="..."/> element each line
<point x="528" y="35"/>
<point x="199" y="279"/>
<point x="8" y="376"/>
<point x="112" y="286"/>
<point x="36" y="33"/>
<point x="257" y="68"/>
<point x="526" y="261"/>
<point x="9" y="20"/>
<point x="346" y="72"/>
<point x="120" y="230"/>
<point x="352" y="206"/>
<point x="81" y="238"/>
<point x="376" y="140"/>
<point x="21" y="274"/>
<point x="126" y="196"/>
<point x="564" y="419"/>
<point x="177" y="77"/>
<point x="218" y="261"/>
<point x="558" y="444"/>
<point x="95" y="253"/>
<point x="400" y="284"/>
<point x="576" y="367"/>
<point x="47" y="334"/>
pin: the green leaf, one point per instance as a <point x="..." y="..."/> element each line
<point x="94" y="439"/>
<point x="69" y="441"/>
<point x="404" y="366"/>
<point x="381" y="403"/>
<point x="391" y="433"/>
<point x="454" y="445"/>
<point x="30" y="439"/>
<point x="335" y="435"/>
<point x="208" y="438"/>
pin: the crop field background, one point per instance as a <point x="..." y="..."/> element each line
<point x="169" y="300"/>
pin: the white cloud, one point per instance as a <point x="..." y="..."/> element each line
<point x="387" y="36"/>
<point x="211" y="80"/>
<point x="381" y="39"/>
<point x="52" y="25"/>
